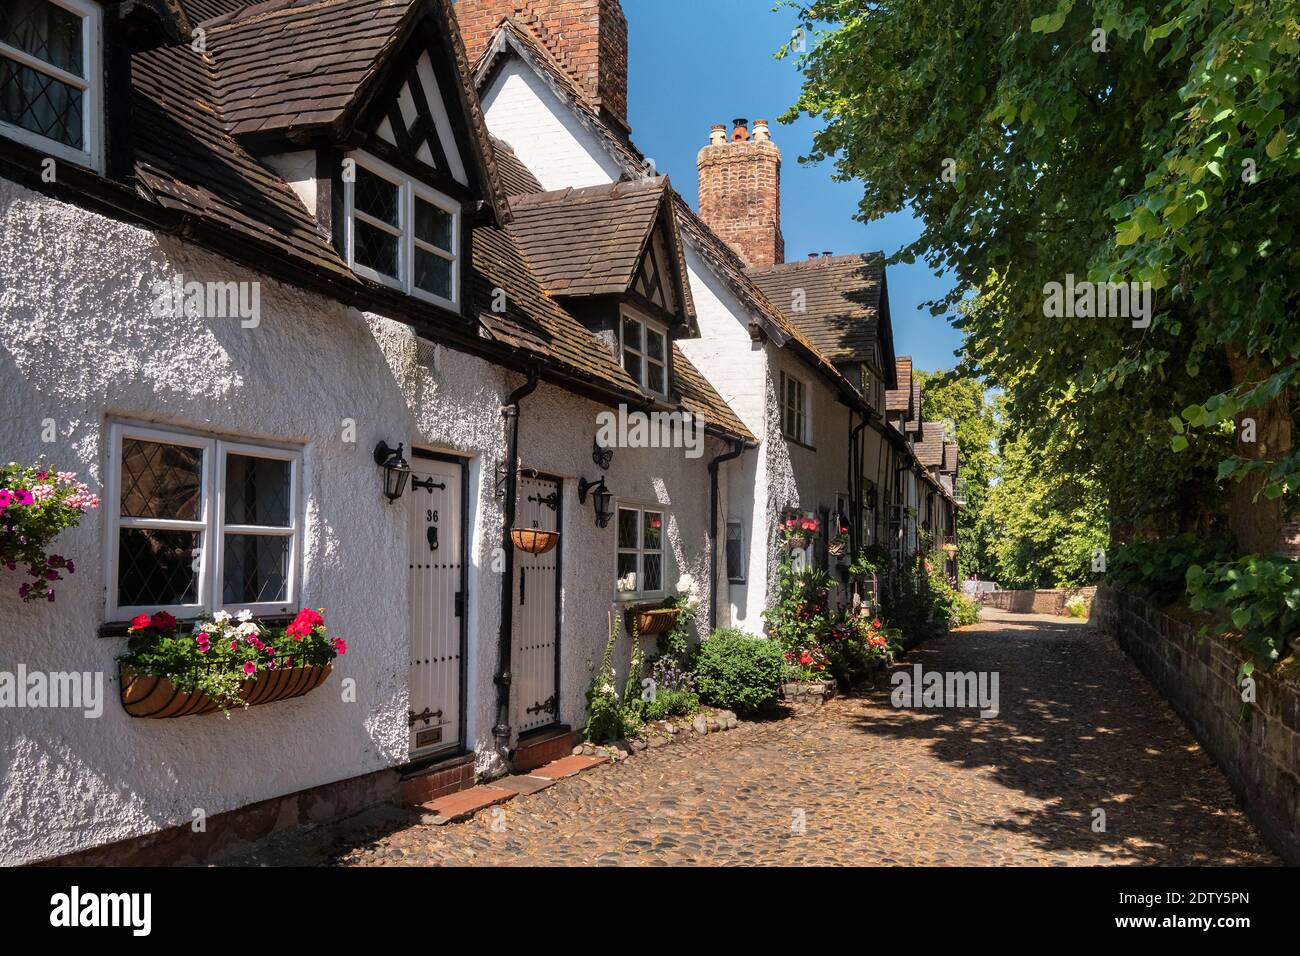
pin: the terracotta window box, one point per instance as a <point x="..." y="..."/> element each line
<point x="660" y="621"/>
<point x="146" y="696"/>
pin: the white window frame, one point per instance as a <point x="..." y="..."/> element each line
<point x="211" y="525"/>
<point x="91" y="87"/>
<point x="639" y="593"/>
<point x="804" y="413"/>
<point x="645" y="323"/>
<point x="408" y="190"/>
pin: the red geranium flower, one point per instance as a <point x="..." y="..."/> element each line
<point x="340" y="645"/>
<point x="162" y="621"/>
<point x="139" y="622"/>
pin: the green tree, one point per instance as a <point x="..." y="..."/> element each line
<point x="1108" y="142"/>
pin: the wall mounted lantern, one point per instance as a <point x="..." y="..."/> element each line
<point x="396" y="470"/>
<point x="600" y="495"/>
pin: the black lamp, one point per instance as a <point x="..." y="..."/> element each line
<point x="396" y="470"/>
<point x="600" y="495"/>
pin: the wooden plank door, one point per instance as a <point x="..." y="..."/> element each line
<point x="534" y="658"/>
<point x="437" y="666"/>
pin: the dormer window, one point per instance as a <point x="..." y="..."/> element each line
<point x="644" y="346"/>
<point x="50" y="81"/>
<point x="402" y="233"/>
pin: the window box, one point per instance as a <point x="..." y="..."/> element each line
<point x="158" y="697"/>
<point x="656" y="622"/>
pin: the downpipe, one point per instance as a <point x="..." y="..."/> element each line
<point x="501" y="730"/>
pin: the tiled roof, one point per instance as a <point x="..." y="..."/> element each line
<point x="516" y="178"/>
<point x="514" y="33"/>
<point x="900" y="399"/>
<point x="914" y="422"/>
<point x="186" y="162"/>
<point x="841" y="296"/>
<point x="929" y="447"/>
<point x="287" y="65"/>
<point x="283" y="68"/>
<point x="951" y="455"/>
<point x="588" y="241"/>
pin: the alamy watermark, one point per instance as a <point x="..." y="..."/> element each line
<point x="177" y="299"/>
<point x="74" y="690"/>
<point x="937" y="689"/>
<point x="1099" y="300"/>
<point x="629" y="429"/>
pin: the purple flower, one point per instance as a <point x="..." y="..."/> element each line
<point x="24" y="496"/>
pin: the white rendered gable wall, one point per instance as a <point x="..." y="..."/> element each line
<point x="522" y="110"/>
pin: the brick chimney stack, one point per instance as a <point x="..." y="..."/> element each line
<point x="740" y="191"/>
<point x="587" y="37"/>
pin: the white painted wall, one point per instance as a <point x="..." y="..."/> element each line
<point x="544" y="133"/>
<point x="78" y="344"/>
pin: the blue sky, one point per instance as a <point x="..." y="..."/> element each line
<point x="694" y="63"/>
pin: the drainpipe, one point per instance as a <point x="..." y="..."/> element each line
<point x="855" y="486"/>
<point x="737" y="449"/>
<point x="501" y="731"/>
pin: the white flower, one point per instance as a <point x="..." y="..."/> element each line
<point x="689" y="590"/>
<point x="221" y="617"/>
<point x="244" y="616"/>
<point x="247" y="629"/>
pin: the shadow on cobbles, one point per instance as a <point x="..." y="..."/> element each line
<point x="1080" y="730"/>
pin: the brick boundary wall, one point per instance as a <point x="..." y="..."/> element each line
<point x="1045" y="601"/>
<point x="1258" y="749"/>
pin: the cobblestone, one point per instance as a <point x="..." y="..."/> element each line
<point x="858" y="782"/>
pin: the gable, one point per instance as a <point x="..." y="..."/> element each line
<point x="416" y="121"/>
<point x="544" y="133"/>
<point x="654" y="281"/>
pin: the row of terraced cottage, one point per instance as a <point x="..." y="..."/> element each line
<point x="324" y="299"/>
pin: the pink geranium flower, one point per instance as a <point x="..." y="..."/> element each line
<point x="250" y="668"/>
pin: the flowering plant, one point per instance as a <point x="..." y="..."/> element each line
<point x="798" y="528"/>
<point x="217" y="655"/>
<point x="36" y="503"/>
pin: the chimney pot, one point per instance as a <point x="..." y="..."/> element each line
<point x="741" y="133"/>
<point x="762" y="132"/>
<point x="813" y="255"/>
<point x="827" y="254"/>
<point x="718" y="136"/>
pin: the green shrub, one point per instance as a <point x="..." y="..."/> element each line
<point x="1158" y="569"/>
<point x="1076" y="607"/>
<point x="672" y="703"/>
<point x="738" y="671"/>
<point x="1258" y="598"/>
<point x="965" y="611"/>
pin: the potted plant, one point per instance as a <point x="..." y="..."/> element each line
<point x="36" y="503"/>
<point x="797" y="532"/>
<point x="223" y="662"/>
<point x="663" y="620"/>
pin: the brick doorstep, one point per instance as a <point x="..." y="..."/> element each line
<point x="466" y="803"/>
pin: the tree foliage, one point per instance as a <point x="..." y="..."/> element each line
<point x="1111" y="143"/>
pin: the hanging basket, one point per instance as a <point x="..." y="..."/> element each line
<point x="838" y="547"/>
<point x="146" y="696"/>
<point x="656" y="622"/>
<point x="533" y="540"/>
<point x="797" y="542"/>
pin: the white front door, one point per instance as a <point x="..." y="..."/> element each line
<point x="437" y="604"/>
<point x="536" y="617"/>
